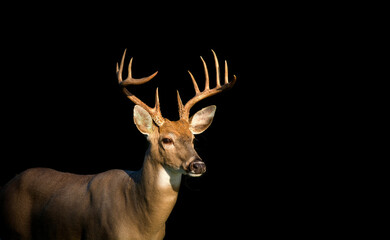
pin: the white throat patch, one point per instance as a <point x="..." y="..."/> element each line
<point x="168" y="178"/>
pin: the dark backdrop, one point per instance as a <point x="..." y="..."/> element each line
<point x="61" y="108"/>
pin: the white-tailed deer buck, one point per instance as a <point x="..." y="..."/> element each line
<point x="43" y="203"/>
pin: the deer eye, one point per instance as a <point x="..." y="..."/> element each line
<point x="167" y="140"/>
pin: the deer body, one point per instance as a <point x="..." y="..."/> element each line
<point x="42" y="203"/>
<point x="55" y="205"/>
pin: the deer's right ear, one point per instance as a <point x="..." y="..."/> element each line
<point x="143" y="120"/>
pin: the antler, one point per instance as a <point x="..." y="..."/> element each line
<point x="154" y="112"/>
<point x="184" y="111"/>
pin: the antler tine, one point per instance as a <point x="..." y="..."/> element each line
<point x="181" y="106"/>
<point x="206" y="74"/>
<point x="216" y="69"/>
<point x="194" y="82"/>
<point x="226" y="73"/>
<point x="184" y="111"/>
<point x="154" y="112"/>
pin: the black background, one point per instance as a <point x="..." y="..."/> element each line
<point x="265" y="152"/>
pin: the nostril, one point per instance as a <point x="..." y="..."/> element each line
<point x="197" y="166"/>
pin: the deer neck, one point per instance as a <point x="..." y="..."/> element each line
<point x="157" y="191"/>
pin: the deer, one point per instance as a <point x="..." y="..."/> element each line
<point x="43" y="203"/>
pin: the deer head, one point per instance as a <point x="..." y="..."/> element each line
<point x="171" y="142"/>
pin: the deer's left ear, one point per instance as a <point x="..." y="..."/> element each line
<point x="201" y="120"/>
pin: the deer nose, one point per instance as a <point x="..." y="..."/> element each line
<point x="197" y="167"/>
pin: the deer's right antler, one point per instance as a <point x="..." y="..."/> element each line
<point x="155" y="112"/>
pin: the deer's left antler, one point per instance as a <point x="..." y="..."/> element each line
<point x="184" y="111"/>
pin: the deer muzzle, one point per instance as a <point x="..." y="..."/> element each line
<point x="197" y="168"/>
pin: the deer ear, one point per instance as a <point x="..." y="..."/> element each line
<point x="143" y="120"/>
<point x="201" y="120"/>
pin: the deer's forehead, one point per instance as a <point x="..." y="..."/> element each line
<point x="178" y="128"/>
